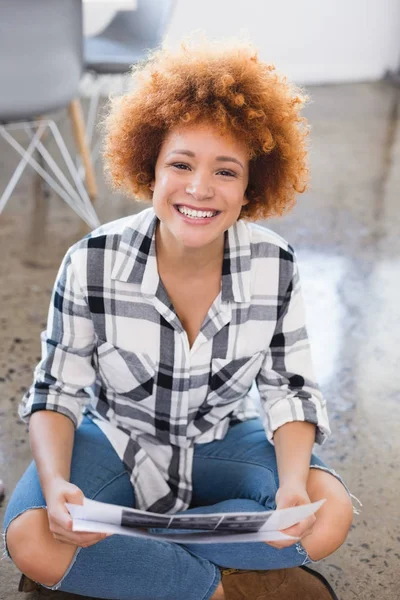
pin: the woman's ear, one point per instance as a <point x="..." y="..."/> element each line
<point x="245" y="201"/>
<point x="151" y="185"/>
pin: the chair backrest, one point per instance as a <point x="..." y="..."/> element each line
<point x="146" y="24"/>
<point x="41" y="56"/>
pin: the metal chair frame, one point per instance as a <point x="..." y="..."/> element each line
<point x="76" y="197"/>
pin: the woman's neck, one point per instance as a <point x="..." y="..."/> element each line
<point x="188" y="262"/>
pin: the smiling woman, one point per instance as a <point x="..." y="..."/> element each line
<point x="199" y="199"/>
<point x="159" y="325"/>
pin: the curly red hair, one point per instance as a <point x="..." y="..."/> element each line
<point x="227" y="85"/>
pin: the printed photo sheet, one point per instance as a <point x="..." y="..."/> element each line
<point x="266" y="526"/>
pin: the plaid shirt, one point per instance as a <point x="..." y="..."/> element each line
<point x="115" y="347"/>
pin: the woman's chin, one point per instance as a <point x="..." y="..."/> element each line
<point x="188" y="236"/>
<point x="195" y="242"/>
<point x="196" y="237"/>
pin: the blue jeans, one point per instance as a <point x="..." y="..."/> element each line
<point x="238" y="473"/>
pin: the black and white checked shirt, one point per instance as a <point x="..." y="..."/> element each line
<point x="115" y="347"/>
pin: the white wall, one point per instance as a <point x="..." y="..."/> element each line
<point x="311" y="41"/>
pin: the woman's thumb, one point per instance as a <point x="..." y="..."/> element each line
<point x="74" y="495"/>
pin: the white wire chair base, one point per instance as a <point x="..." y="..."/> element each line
<point x="75" y="195"/>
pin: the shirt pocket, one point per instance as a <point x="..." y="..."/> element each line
<point x="127" y="373"/>
<point x="232" y="379"/>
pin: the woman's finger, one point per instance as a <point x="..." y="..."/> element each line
<point x="300" y="529"/>
<point x="60" y="518"/>
<point x="287" y="543"/>
<point x="75" y="535"/>
<point x="282" y="544"/>
<point x="76" y="538"/>
<point x="296" y="531"/>
<point x="63" y="529"/>
<point x="80" y="540"/>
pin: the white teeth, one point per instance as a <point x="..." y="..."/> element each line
<point x="196" y="214"/>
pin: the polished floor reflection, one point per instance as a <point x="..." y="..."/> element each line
<point x="345" y="230"/>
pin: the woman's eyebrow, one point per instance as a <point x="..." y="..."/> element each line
<point x="220" y="158"/>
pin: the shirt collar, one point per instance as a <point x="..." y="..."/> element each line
<point x="236" y="267"/>
<point x="136" y="258"/>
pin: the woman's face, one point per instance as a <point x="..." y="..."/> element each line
<point x="199" y="187"/>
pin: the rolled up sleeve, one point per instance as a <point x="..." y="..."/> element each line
<point x="286" y="381"/>
<point x="67" y="348"/>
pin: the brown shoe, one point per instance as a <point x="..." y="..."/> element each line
<point x="298" y="583"/>
<point x="27" y="585"/>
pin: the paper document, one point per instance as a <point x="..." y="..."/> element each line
<point x="191" y="528"/>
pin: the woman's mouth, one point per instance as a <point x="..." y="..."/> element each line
<point x="197" y="216"/>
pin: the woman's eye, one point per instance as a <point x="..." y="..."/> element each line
<point x="181" y="166"/>
<point x="227" y="173"/>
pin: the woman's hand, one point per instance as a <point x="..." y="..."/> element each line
<point x="293" y="494"/>
<point x="60" y="521"/>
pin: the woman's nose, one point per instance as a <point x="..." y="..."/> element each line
<point x="200" y="189"/>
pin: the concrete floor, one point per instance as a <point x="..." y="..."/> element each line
<point x="346" y="233"/>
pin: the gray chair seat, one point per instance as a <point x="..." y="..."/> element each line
<point x="129" y="36"/>
<point x="106" y="56"/>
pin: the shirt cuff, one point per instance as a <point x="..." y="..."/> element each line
<point x="292" y="409"/>
<point x="67" y="406"/>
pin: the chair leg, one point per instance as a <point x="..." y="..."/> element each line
<point x="37" y="223"/>
<point x="75" y="195"/>
<point x="39" y="216"/>
<point x="92" y="114"/>
<point x="4" y="198"/>
<point x="78" y="126"/>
